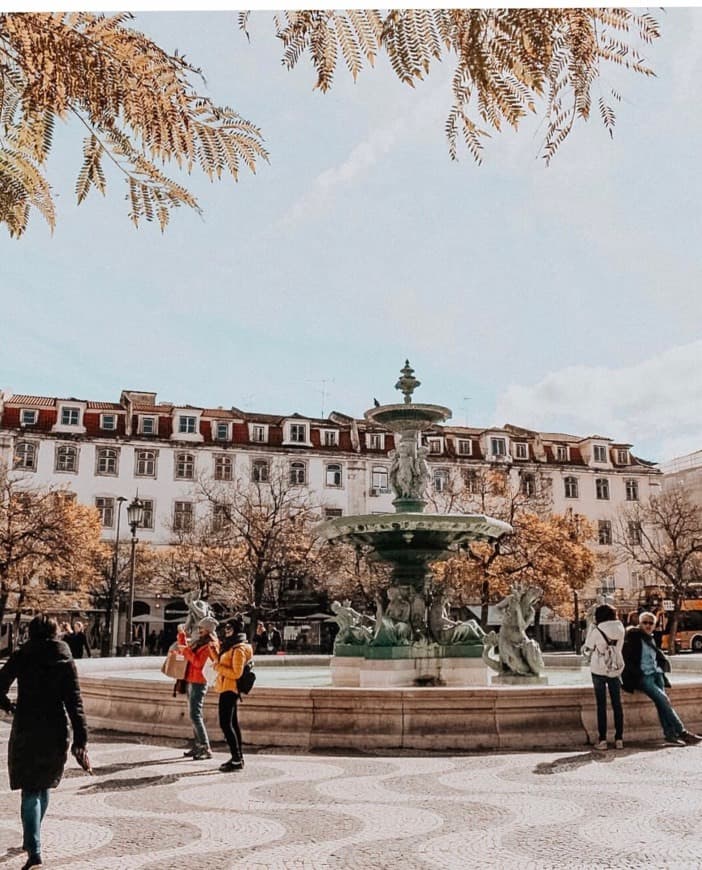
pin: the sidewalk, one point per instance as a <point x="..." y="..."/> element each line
<point x="147" y="807"/>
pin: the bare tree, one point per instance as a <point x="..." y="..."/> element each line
<point x="664" y="536"/>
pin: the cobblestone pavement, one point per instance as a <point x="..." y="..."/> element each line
<point x="147" y="807"/>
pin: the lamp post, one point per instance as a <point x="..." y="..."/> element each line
<point x="135" y="516"/>
<point x="112" y="592"/>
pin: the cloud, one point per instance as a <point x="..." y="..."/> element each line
<point x="654" y="404"/>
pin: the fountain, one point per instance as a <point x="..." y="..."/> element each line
<point x="411" y="641"/>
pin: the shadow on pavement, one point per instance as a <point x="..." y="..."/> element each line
<point x="572" y="762"/>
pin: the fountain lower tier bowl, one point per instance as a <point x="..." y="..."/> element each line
<point x="413" y="538"/>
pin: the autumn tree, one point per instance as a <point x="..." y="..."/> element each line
<point x="49" y="545"/>
<point x="141" y="110"/>
<point x="138" y="105"/>
<point x="664" y="536"/>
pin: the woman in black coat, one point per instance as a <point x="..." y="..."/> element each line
<point x="47" y="690"/>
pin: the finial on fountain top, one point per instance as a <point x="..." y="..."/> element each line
<point x="407" y="383"/>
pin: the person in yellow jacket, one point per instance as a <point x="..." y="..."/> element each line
<point x="234" y="653"/>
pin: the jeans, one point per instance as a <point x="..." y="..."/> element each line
<point x="196" y="702"/>
<point x="32" y="810"/>
<point x="653" y="685"/>
<point x="229" y="723"/>
<point x="600" y="684"/>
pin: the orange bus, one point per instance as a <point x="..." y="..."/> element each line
<point x="659" y="600"/>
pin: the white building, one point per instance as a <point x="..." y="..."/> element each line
<point x="106" y="450"/>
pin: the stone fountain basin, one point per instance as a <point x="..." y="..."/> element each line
<point x="408" y="417"/>
<point x="398" y="537"/>
<point x="455" y="719"/>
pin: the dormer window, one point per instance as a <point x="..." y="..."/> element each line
<point x="70" y="416"/>
<point x="298" y="433"/>
<point x="465" y="447"/>
<point x="498" y="447"/>
<point x="521" y="450"/>
<point x="108" y="422"/>
<point x="259" y="434"/>
<point x="561" y="453"/>
<point x="599" y="453"/>
<point x="221" y="431"/>
<point x="375" y="440"/>
<point x="187" y="425"/>
<point x="622" y="456"/>
<point x="330" y="438"/>
<point x="28" y="417"/>
<point x="435" y="446"/>
<point x="148" y="425"/>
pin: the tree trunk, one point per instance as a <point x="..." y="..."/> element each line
<point x="672" y="629"/>
<point x="484" y="604"/>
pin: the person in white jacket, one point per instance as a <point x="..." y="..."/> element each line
<point x="604" y="643"/>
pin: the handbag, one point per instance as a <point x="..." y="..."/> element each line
<point x="175" y="665"/>
<point x="209" y="672"/>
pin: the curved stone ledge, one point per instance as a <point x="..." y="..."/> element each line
<point x="427" y="719"/>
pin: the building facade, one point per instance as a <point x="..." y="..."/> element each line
<point x="105" y="451"/>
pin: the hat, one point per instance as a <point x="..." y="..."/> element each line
<point x="209" y="623"/>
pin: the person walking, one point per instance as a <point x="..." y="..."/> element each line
<point x="645" y="669"/>
<point x="234" y="654"/>
<point x="603" y="644"/>
<point x="77" y="641"/>
<point x="47" y="690"/>
<point x="201" y="648"/>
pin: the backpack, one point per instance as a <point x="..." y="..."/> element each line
<point x="247" y="679"/>
<point x="612" y="661"/>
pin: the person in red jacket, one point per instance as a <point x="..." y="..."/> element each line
<point x="205" y="646"/>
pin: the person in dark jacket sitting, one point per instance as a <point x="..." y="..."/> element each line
<point x="645" y="669"/>
<point x="47" y="689"/>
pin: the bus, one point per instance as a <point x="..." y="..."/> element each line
<point x="659" y="600"/>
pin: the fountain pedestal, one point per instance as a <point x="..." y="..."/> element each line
<point x="397" y="671"/>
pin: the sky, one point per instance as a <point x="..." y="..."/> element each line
<point x="563" y="298"/>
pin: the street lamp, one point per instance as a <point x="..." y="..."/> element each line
<point x="135" y="516"/>
<point x="112" y="592"/>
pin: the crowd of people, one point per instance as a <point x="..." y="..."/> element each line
<point x="48" y="696"/>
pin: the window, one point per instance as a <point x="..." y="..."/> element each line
<point x="332" y="475"/>
<point x="223" y="468"/>
<point x="298" y="433"/>
<point x="561" y="453"/>
<point x="521" y="450"/>
<point x="604" y="533"/>
<point x="440" y="479"/>
<point x="571" y="487"/>
<point x="145" y="463"/>
<point x="106" y="509"/>
<point x="28" y="418"/>
<point x="147" y="425"/>
<point x="632" y="490"/>
<point x="375" y="440"/>
<point x="108" y="422"/>
<point x="66" y="459"/>
<point x="634" y="533"/>
<point x="498" y="447"/>
<point x="184" y="466"/>
<point x="434" y="445"/>
<point x="470" y="480"/>
<point x="183" y="516"/>
<point x="148" y="518"/>
<point x="25" y="456"/>
<point x="260" y="471"/>
<point x="528" y="484"/>
<point x="187" y="425"/>
<point x="70" y="416"/>
<point x="599" y="453"/>
<point x="298" y="473"/>
<point x="220" y="517"/>
<point x="221" y="431"/>
<point x="622" y="456"/>
<point x="331" y="438"/>
<point x="332" y="513"/>
<point x="106" y="460"/>
<point x="258" y="434"/>
<point x="379" y="479"/>
<point x="602" y="488"/>
<point x="465" y="447"/>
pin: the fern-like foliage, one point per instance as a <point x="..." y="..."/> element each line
<point x="138" y="104"/>
<point x="507" y="60"/>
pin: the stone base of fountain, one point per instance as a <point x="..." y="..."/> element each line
<point x="398" y="667"/>
<point x="518" y="680"/>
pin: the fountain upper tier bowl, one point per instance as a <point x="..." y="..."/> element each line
<point x="408" y="416"/>
<point x="424" y="537"/>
